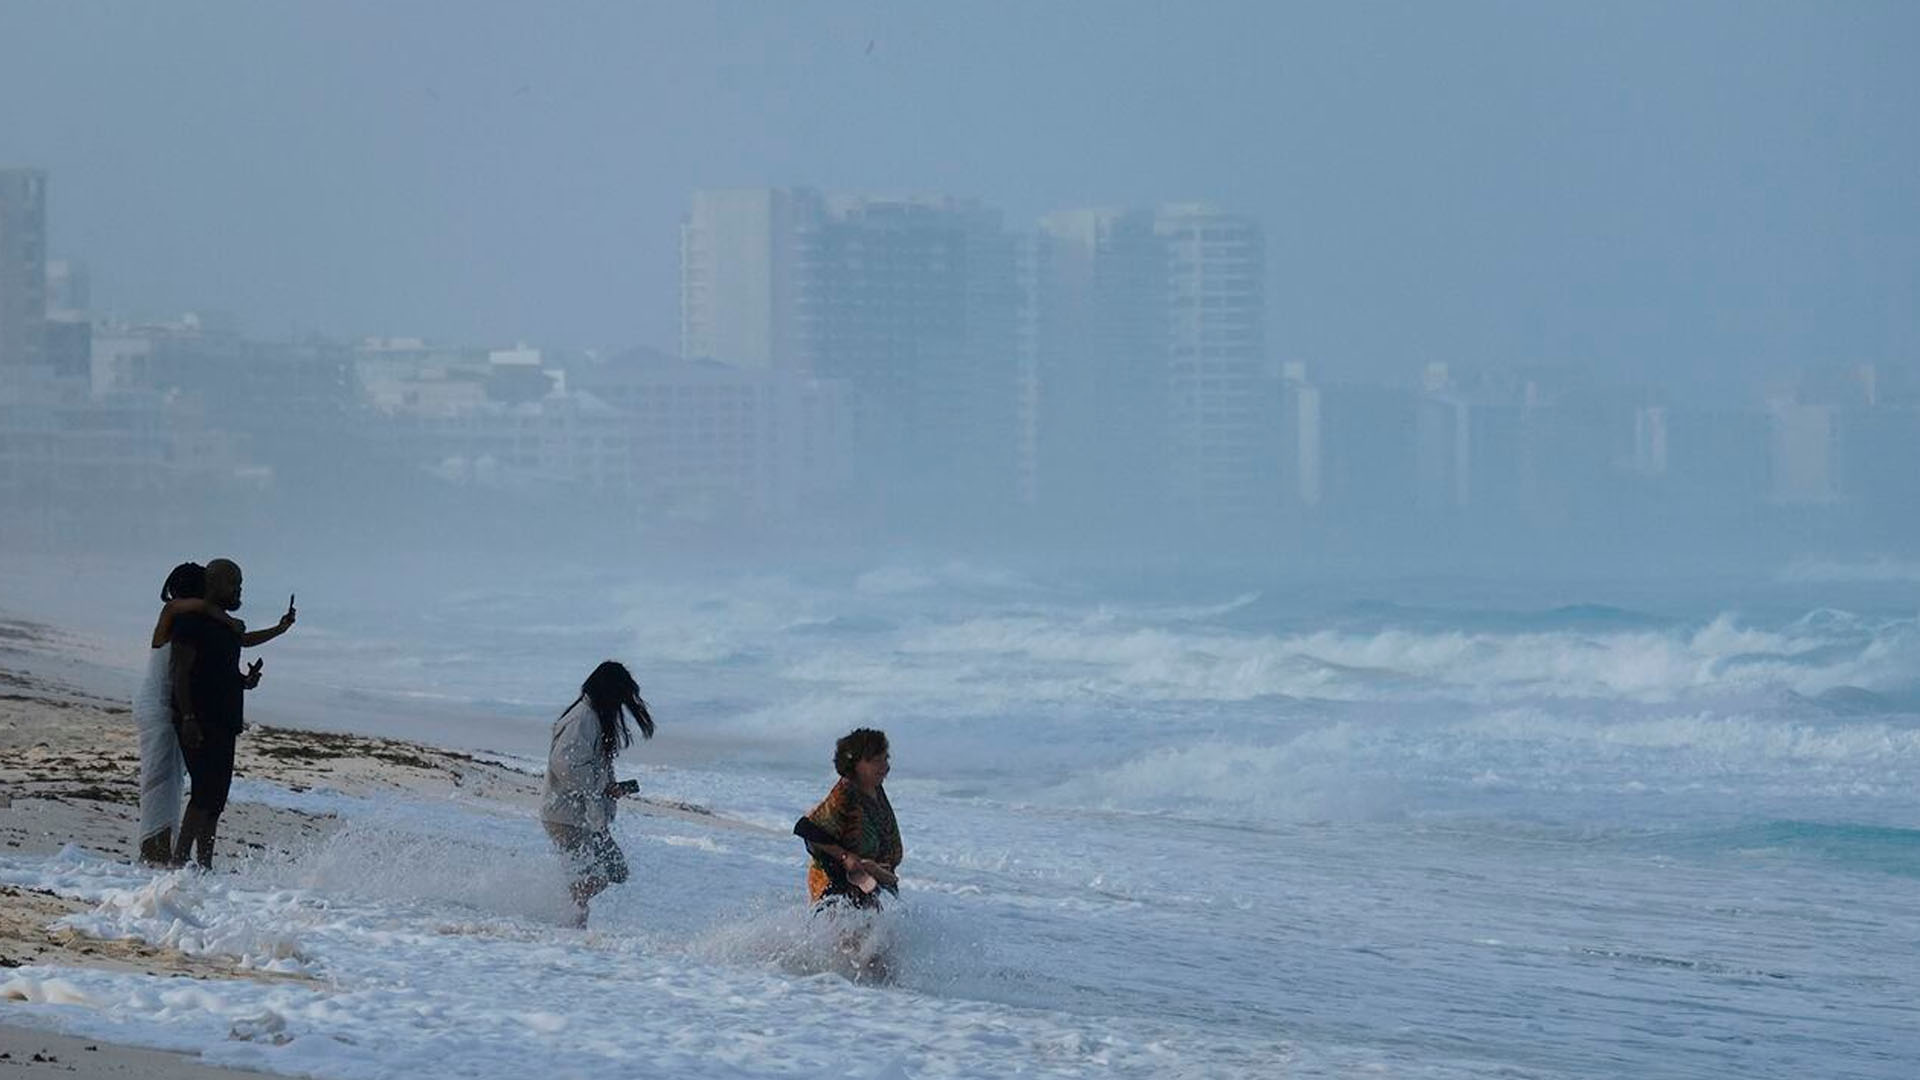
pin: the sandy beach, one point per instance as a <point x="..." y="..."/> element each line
<point x="69" y="775"/>
<point x="69" y="790"/>
<point x="32" y="1052"/>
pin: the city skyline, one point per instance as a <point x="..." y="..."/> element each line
<point x="926" y="370"/>
<point x="1583" y="195"/>
<point x="68" y="274"/>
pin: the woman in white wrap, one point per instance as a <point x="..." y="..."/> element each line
<point x="162" y="770"/>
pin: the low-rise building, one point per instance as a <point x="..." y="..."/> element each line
<point x="672" y="439"/>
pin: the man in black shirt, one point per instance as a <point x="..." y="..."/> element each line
<point x="209" y="701"/>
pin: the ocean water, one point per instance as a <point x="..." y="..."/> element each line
<point x="1423" y="829"/>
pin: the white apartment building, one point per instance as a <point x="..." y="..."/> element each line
<point x="1217" y="440"/>
<point x="739" y="257"/>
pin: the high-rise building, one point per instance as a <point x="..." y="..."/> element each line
<point x="739" y="253"/>
<point x="23" y="267"/>
<point x="1154" y="387"/>
<point x="1102" y="329"/>
<point x="1109" y="368"/>
<point x="913" y="304"/>
<point x="1218" y="446"/>
<point x="69" y="286"/>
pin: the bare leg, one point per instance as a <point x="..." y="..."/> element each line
<point x="206" y="841"/>
<point x="583" y="890"/>
<point x="190" y="825"/>
<point x="196" y="834"/>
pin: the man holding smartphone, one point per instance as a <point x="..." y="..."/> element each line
<point x="209" y="702"/>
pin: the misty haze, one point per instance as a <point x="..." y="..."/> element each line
<point x="1381" y="540"/>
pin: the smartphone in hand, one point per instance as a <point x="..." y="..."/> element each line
<point x="627" y="787"/>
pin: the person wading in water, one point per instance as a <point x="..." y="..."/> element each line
<point x="853" y="835"/>
<point x="581" y="793"/>
<point x="855" y="843"/>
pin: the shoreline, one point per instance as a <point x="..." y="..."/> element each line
<point x="32" y="1051"/>
<point x="69" y="776"/>
<point x="104" y="666"/>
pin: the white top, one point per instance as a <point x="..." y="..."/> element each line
<point x="578" y="774"/>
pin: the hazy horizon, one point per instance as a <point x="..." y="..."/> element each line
<point x="1713" y="191"/>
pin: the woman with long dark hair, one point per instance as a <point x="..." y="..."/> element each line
<point x="580" y="791"/>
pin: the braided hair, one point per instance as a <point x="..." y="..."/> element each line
<point x="186" y="581"/>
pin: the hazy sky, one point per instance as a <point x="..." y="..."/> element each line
<point x="1714" y="186"/>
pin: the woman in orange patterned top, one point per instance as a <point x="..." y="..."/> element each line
<point x="852" y="834"/>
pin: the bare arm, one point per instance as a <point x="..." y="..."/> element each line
<point x="181" y="664"/>
<point x="261" y="637"/>
<point x="190" y="605"/>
